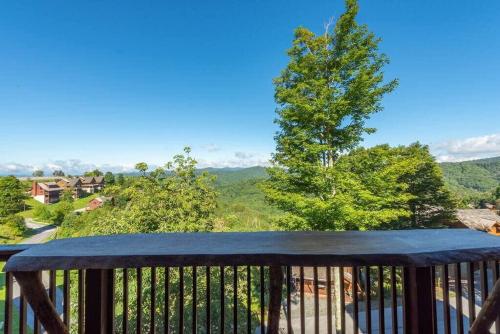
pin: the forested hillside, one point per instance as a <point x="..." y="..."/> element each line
<point x="472" y="178"/>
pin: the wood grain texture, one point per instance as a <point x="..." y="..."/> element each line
<point x="34" y="291"/>
<point x="351" y="248"/>
<point x="488" y="313"/>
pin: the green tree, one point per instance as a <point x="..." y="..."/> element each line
<point x="120" y="179"/>
<point x="95" y="172"/>
<point x="38" y="173"/>
<point x="12" y="196"/>
<point x="109" y="178"/>
<point x="58" y="173"/>
<point x="142" y="167"/>
<point x="332" y="84"/>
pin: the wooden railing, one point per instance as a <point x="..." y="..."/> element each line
<point x="253" y="291"/>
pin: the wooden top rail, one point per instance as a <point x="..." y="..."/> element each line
<point x="6" y="251"/>
<point x="418" y="248"/>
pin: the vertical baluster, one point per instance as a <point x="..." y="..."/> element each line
<point x="496" y="277"/>
<point x="433" y="296"/>
<point x="342" y="300"/>
<point x="235" y="300"/>
<point x="483" y="274"/>
<point x="458" y="294"/>
<point x="316" y="300"/>
<point x="381" y="307"/>
<point x="262" y="300"/>
<point x="52" y="286"/>
<point x="208" y="302"/>
<point x="81" y="301"/>
<point x="125" y="301"/>
<point x="195" y="278"/>
<point x="289" y="300"/>
<point x="166" y="304"/>
<point x="446" y="300"/>
<point x="8" y="303"/>
<point x="471" y="293"/>
<point x="66" y="299"/>
<point x="368" y="302"/>
<point x="249" y="301"/>
<point x="139" y="301"/>
<point x="302" y="306"/>
<point x="355" y="315"/>
<point x="37" y="325"/>
<point x="329" y="300"/>
<point x="181" y="299"/>
<point x="152" y="311"/>
<point x="394" y="301"/>
<point x="22" y="314"/>
<point x="222" y="300"/>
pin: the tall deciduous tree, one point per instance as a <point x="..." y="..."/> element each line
<point x="331" y="86"/>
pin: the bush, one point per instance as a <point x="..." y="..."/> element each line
<point x="42" y="213"/>
<point x="14" y="225"/>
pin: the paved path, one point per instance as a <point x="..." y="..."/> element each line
<point x="41" y="232"/>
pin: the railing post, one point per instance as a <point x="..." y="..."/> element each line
<point x="275" y="289"/>
<point x="417" y="289"/>
<point x="99" y="303"/>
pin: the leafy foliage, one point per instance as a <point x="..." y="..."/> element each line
<point x="473" y="181"/>
<point x="12" y="196"/>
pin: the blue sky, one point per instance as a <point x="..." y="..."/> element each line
<point x="103" y="83"/>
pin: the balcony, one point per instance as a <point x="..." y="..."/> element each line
<point x="419" y="281"/>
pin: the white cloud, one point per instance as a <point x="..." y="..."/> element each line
<point x="211" y="148"/>
<point x="467" y="148"/>
<point x="73" y="166"/>
<point x="241" y="159"/>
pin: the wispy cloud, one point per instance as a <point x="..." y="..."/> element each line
<point x="467" y="148"/>
<point x="211" y="148"/>
<point x="73" y="166"/>
<point x="241" y="159"/>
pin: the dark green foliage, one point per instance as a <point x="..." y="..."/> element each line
<point x="95" y="172"/>
<point x="12" y="195"/>
<point x="473" y="181"/>
<point x="109" y="178"/>
<point x="38" y="173"/>
<point x="58" y="173"/>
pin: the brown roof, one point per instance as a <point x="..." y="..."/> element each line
<point x="87" y="179"/>
<point x="99" y="179"/>
<point x="50" y="186"/>
<point x="478" y="219"/>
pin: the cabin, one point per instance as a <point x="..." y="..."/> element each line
<point x="97" y="203"/>
<point x="485" y="220"/>
<point x="92" y="184"/>
<point x="46" y="192"/>
<point x="72" y="184"/>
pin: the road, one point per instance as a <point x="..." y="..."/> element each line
<point x="41" y="232"/>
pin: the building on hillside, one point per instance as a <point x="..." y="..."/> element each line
<point x="480" y="219"/>
<point x="46" y="192"/>
<point x="73" y="184"/>
<point x="92" y="184"/>
<point x="97" y="203"/>
<point x="50" y="192"/>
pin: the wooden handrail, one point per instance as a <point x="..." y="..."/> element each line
<point x="489" y="312"/>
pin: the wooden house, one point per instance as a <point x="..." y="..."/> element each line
<point x="46" y="192"/>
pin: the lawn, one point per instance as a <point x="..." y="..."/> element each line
<point x="31" y="204"/>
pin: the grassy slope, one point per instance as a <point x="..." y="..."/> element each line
<point x="31" y="204"/>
